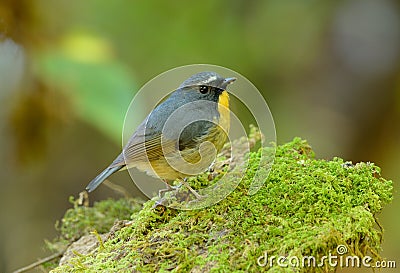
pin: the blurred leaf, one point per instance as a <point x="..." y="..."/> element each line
<point x="33" y="119"/>
<point x="99" y="87"/>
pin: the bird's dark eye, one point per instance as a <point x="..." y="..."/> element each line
<point x="204" y="89"/>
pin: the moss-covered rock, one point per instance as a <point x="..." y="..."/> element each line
<point x="308" y="207"/>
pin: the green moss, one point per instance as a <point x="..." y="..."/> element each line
<point x="82" y="220"/>
<point x="307" y="207"/>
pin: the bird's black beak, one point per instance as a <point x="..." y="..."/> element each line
<point x="227" y="81"/>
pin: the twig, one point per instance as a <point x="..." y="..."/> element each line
<point x="117" y="188"/>
<point x="40" y="262"/>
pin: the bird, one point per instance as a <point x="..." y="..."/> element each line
<point x="181" y="136"/>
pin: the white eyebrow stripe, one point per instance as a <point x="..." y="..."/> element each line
<point x="210" y="79"/>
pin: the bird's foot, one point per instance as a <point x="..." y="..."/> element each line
<point x="162" y="192"/>
<point x="195" y="193"/>
<point x="162" y="202"/>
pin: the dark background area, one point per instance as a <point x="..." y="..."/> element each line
<point x="329" y="70"/>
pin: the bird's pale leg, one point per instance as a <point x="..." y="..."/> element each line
<point x="184" y="182"/>
<point x="162" y="192"/>
<point x="169" y="188"/>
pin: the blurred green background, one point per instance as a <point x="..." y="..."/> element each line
<point x="329" y="70"/>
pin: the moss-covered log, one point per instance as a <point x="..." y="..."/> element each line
<point x="308" y="207"/>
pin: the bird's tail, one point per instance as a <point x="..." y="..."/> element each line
<point x="101" y="177"/>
